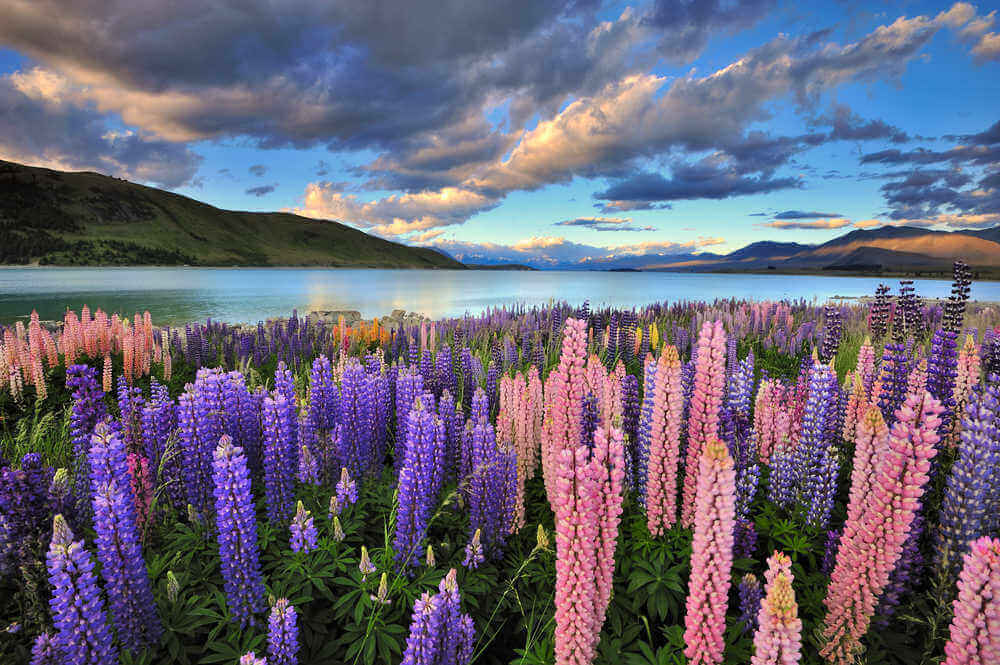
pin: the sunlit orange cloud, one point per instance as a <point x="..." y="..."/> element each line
<point x="814" y="224"/>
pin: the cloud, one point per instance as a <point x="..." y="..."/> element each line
<point x="261" y="190"/>
<point x="258" y="170"/>
<point x="605" y="224"/>
<point x="816" y="224"/>
<point x="801" y="214"/>
<point x="43" y="125"/>
<point x="958" y="185"/>
<point x="394" y="215"/>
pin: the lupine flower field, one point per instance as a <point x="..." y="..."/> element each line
<point x="702" y="482"/>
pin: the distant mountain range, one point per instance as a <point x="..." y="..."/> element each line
<point x="61" y="218"/>
<point x="889" y="249"/>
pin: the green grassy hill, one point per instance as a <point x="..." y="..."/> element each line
<point x="60" y="218"/>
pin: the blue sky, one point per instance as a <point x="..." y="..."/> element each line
<point x="543" y="131"/>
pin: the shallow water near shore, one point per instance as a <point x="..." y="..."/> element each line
<point x="247" y="295"/>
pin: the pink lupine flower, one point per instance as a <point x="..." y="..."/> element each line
<point x="778" y="640"/>
<point x="870" y="441"/>
<point x="711" y="555"/>
<point x="857" y="406"/>
<point x="564" y="392"/>
<point x="588" y="503"/>
<point x="865" y="367"/>
<point x="141" y="482"/>
<point x="665" y="443"/>
<point x="917" y="380"/>
<point x="873" y="541"/>
<point x="703" y="418"/>
<point x="967" y="376"/>
<point x="764" y="412"/>
<point x="975" y="628"/>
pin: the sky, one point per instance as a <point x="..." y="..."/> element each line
<point x="532" y="131"/>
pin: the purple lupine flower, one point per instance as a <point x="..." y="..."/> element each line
<point x="783" y="477"/>
<point x="409" y="386"/>
<point x="236" y="527"/>
<point x="830" y="551"/>
<point x="894" y="374"/>
<point x="815" y="457"/>
<point x="452" y="420"/>
<point x="303" y="530"/>
<point x="365" y="564"/>
<point x="88" y="409"/>
<point x="308" y="473"/>
<point x="440" y="634"/>
<point x="358" y="448"/>
<point x="420" y="481"/>
<point x="750" y="593"/>
<point x="279" y="467"/>
<point x="493" y="388"/>
<point x="347" y="489"/>
<point x="490" y="489"/>
<point x="123" y="567"/>
<point x="645" y="429"/>
<point x="972" y="494"/>
<point x="469" y="377"/>
<point x="83" y="636"/>
<point x="474" y="551"/>
<point x="45" y="650"/>
<point x="480" y="406"/>
<point x="942" y="370"/>
<point x="158" y="421"/>
<point x="832" y="330"/>
<point x="282" y="634"/>
<point x="427" y="370"/>
<point x="130" y="404"/>
<point x="630" y="424"/>
<point x="878" y="319"/>
<point x="323" y="395"/>
<point x="444" y="374"/>
<point x="904" y="575"/>
<point x="740" y="389"/>
<point x="201" y="422"/>
<point x="25" y="502"/>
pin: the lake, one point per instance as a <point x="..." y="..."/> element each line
<point x="179" y="295"/>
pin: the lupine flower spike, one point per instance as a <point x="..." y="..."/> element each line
<point x="975" y="628"/>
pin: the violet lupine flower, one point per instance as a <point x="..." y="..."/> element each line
<point x="816" y="458"/>
<point x="200" y="420"/>
<point x="954" y="309"/>
<point x="25" y="502"/>
<point x="490" y="489"/>
<point x="88" y="409"/>
<point x="279" y="467"/>
<point x="440" y="634"/>
<point x="832" y="330"/>
<point x="480" y="409"/>
<point x="347" y="489"/>
<point x="588" y="419"/>
<point x="474" y="555"/>
<point x="750" y="594"/>
<point x="975" y="628"/>
<point x="630" y="423"/>
<point x="893" y="378"/>
<point x="942" y="371"/>
<point x="83" y="636"/>
<point x="359" y="451"/>
<point x="452" y="419"/>
<point x="122" y="564"/>
<point x="493" y="387"/>
<point x="159" y="419"/>
<point x="878" y="317"/>
<point x="303" y="530"/>
<point x="444" y="374"/>
<point x="646" y="426"/>
<point x="420" y="481"/>
<point x="972" y="494"/>
<point x="45" y="650"/>
<point x="282" y="634"/>
<point x="409" y="386"/>
<point x="308" y="472"/>
<point x="236" y="527"/>
<point x="830" y="551"/>
<point x="323" y="395"/>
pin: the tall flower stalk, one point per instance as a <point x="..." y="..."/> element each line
<point x="665" y="443"/>
<point x="778" y="640"/>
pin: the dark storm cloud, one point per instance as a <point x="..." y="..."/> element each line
<point x="701" y="20"/>
<point x="849" y="126"/>
<point x="261" y="190"/>
<point x="258" y="170"/>
<point x="54" y="133"/>
<point x="697" y="181"/>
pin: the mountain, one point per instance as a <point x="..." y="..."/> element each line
<point x="890" y="249"/>
<point x="56" y="217"/>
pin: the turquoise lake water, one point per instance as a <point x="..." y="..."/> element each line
<point x="178" y="295"/>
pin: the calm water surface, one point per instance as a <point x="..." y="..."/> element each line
<point x="178" y="295"/>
